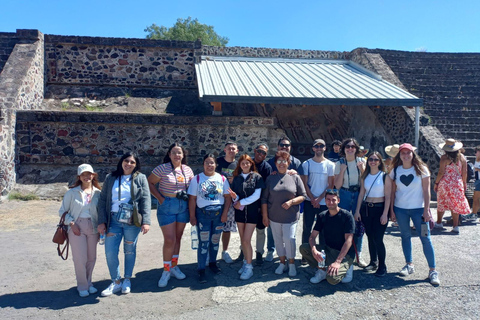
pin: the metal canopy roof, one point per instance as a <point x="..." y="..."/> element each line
<point x="295" y="81"/>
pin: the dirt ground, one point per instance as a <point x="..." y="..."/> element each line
<point x="37" y="284"/>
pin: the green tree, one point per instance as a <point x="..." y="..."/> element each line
<point x="187" y="30"/>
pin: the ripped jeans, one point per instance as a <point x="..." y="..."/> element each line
<point x="129" y="234"/>
<point x="210" y="229"/>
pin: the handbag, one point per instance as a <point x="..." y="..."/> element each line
<point x="137" y="216"/>
<point x="60" y="236"/>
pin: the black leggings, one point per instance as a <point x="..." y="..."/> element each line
<point x="375" y="232"/>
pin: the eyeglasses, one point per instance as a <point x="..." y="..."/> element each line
<point x="350" y="146"/>
<point x="284" y="145"/>
<point x="373" y="160"/>
<point x="259" y="151"/>
<point x="279" y="161"/>
<point x="319" y="146"/>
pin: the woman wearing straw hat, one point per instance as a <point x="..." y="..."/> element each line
<point x="451" y="183"/>
<point x="391" y="152"/>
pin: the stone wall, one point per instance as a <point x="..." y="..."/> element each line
<point x="21" y="88"/>
<point x="7" y="43"/>
<point x="120" y="62"/>
<point x="60" y="141"/>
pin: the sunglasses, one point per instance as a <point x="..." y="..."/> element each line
<point x="319" y="146"/>
<point x="373" y="160"/>
<point x="350" y="146"/>
<point x="284" y="145"/>
<point x="263" y="153"/>
<point x="332" y="191"/>
<point x="279" y="161"/>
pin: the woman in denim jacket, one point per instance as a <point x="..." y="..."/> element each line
<point x="81" y="204"/>
<point x="116" y="194"/>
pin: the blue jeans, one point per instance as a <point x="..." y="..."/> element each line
<point x="129" y="234"/>
<point x="210" y="228"/>
<point x="348" y="201"/>
<point x="403" y="218"/>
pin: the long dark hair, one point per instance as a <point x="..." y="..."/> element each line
<point x="119" y="171"/>
<point x="344" y="144"/>
<point x="167" y="159"/>
<point x="454" y="156"/>
<point x="239" y="170"/>
<point x="381" y="165"/>
<point x="416" y="162"/>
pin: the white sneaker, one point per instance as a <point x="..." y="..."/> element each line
<point x="433" y="276"/>
<point x="281" y="268"/>
<point x="83" y="293"/>
<point x="456" y="230"/>
<point x="164" y="279"/>
<point x="360" y="262"/>
<point x="439" y="226"/>
<point x="292" y="271"/>
<point x="243" y="267"/>
<point x="247" y="272"/>
<point x="177" y="273"/>
<point x="349" y="277"/>
<point x="408" y="269"/>
<point x="226" y="257"/>
<point x="112" y="288"/>
<point x="92" y="290"/>
<point x="126" y="286"/>
<point x="319" y="276"/>
<point x="269" y="257"/>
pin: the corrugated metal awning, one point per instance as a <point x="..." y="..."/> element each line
<point x="295" y="81"/>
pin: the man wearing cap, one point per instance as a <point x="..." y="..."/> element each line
<point x="317" y="174"/>
<point x="226" y="165"/>
<point x="337" y="227"/>
<point x="334" y="154"/>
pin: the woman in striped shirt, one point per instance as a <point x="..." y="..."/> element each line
<point x="173" y="178"/>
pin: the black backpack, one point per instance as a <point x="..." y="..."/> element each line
<point x="470" y="171"/>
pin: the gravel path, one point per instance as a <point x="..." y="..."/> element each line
<point x="36" y="283"/>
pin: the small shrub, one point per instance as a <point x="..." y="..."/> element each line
<point x="23" y="197"/>
<point x="92" y="108"/>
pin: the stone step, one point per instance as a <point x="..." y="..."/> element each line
<point x="462" y="136"/>
<point x="457" y="121"/>
<point x="455" y="113"/>
<point x="459" y="126"/>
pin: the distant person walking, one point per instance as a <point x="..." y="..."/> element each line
<point x="80" y="203"/>
<point x="476" y="194"/>
<point x="451" y="184"/>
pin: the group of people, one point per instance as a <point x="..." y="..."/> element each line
<point x="340" y="199"/>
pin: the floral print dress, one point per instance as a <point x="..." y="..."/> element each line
<point x="451" y="195"/>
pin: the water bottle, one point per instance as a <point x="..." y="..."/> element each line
<point x="102" y="239"/>
<point x="424" y="228"/>
<point x="194" y="234"/>
<point x="322" y="264"/>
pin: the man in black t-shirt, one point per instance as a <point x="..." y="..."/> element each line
<point x="226" y="165"/>
<point x="337" y="226"/>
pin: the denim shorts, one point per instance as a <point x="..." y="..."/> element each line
<point x="172" y="210"/>
<point x="477" y="185"/>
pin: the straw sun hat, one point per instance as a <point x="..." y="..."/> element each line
<point x="392" y="150"/>
<point x="451" y="145"/>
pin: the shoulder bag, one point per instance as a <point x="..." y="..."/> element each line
<point x="60" y="236"/>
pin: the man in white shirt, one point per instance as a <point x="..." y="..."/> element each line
<point x="317" y="175"/>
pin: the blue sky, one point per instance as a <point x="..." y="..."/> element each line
<point x="435" y="26"/>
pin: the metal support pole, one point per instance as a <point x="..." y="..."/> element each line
<point x="417" y="125"/>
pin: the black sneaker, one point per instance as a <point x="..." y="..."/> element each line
<point x="201" y="276"/>
<point x="259" y="259"/>
<point x="304" y="261"/>
<point x="240" y="257"/>
<point x="215" y="269"/>
<point x="381" y="272"/>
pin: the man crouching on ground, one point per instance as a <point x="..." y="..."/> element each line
<point x="337" y="227"/>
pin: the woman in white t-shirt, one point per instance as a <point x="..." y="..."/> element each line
<point x="208" y="205"/>
<point x="411" y="200"/>
<point x="375" y="191"/>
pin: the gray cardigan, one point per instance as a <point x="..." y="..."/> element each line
<point x="142" y="198"/>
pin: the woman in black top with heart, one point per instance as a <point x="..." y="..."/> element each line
<point x="411" y="200"/>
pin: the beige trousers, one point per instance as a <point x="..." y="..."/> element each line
<point x="84" y="252"/>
